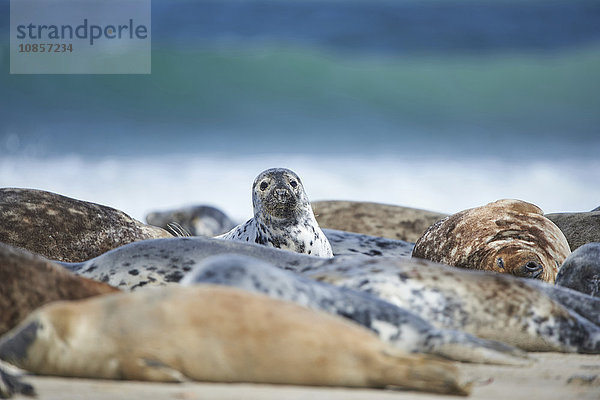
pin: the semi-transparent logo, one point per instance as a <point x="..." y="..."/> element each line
<point x="80" y="37"/>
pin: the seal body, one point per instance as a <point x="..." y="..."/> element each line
<point x="65" y="229"/>
<point x="165" y="261"/>
<point x="507" y="236"/>
<point x="215" y="334"/>
<point x="579" y="228"/>
<point x="283" y="217"/>
<point x="581" y="270"/>
<point x="197" y="220"/>
<point x="491" y="306"/>
<point x="375" y="219"/>
<point x="395" y="325"/>
<point x="28" y="281"/>
<point x="349" y="243"/>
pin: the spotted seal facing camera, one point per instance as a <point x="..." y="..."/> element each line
<point x="283" y="217"/>
<point x="507" y="236"/>
<point x="397" y="326"/>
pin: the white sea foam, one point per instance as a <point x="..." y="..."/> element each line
<point x="140" y="185"/>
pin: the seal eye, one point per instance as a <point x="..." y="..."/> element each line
<point x="263" y="185"/>
<point x="293" y="183"/>
<point x="500" y="262"/>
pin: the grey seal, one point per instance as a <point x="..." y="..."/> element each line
<point x="198" y="220"/>
<point x="397" y="326"/>
<point x="491" y="306"/>
<point x="506" y="236"/>
<point x="349" y="243"/>
<point x="216" y="334"/>
<point x="161" y="262"/>
<point x="375" y="219"/>
<point x="579" y="227"/>
<point x="66" y="229"/>
<point x="283" y="217"/>
<point x="581" y="270"/>
<point x="488" y="305"/>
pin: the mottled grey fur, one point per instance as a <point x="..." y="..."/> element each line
<point x="348" y="243"/>
<point x="392" y="324"/>
<point x="492" y="306"/>
<point x="581" y="270"/>
<point x="283" y="217"/>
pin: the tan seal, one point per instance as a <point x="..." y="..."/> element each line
<point x="375" y="219"/>
<point x="66" y="229"/>
<point x="216" y="334"/>
<point x="28" y="281"/>
<point x="509" y="236"/>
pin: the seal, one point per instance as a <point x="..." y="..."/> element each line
<point x="399" y="327"/>
<point x="375" y="219"/>
<point x="493" y="306"/>
<point x="581" y="270"/>
<point x="65" y="229"/>
<point x="163" y="262"/>
<point x="198" y="220"/>
<point x="283" y="217"/>
<point x="560" y="319"/>
<point x="349" y="243"/>
<point x="579" y="228"/>
<point x="28" y="281"/>
<point x="507" y="236"/>
<point x="216" y="334"/>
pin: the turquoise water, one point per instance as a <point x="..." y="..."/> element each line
<point x="261" y="99"/>
<point x="345" y="77"/>
<point x="442" y="105"/>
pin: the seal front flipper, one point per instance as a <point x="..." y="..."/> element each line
<point x="11" y="383"/>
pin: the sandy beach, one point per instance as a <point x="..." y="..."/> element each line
<point x="553" y="376"/>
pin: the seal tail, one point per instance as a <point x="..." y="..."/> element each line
<point x="419" y="372"/>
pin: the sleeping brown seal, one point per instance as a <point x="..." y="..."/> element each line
<point x="66" y="229"/>
<point x="375" y="219"/>
<point x="216" y="334"/>
<point x="509" y="236"/>
<point x="28" y="281"/>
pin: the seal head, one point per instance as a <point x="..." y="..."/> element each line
<point x="283" y="217"/>
<point x="278" y="196"/>
<point x="507" y="236"/>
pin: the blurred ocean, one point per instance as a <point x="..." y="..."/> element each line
<point x="442" y="105"/>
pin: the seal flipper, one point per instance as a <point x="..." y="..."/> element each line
<point x="155" y="371"/>
<point x="11" y="384"/>
<point x="461" y="346"/>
